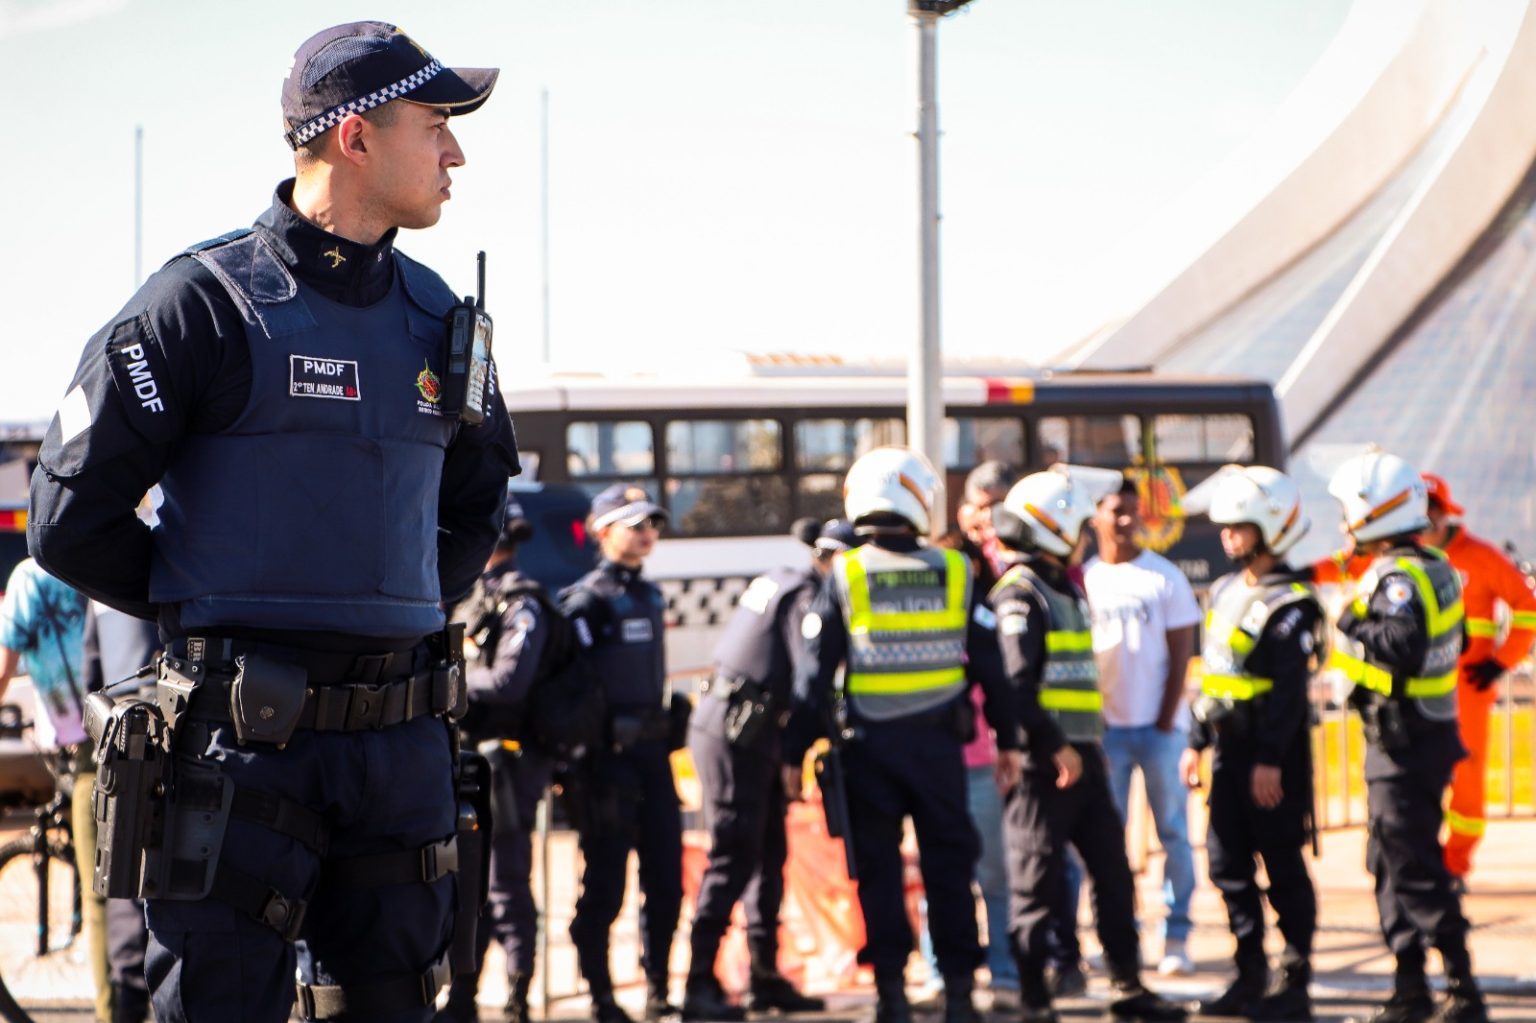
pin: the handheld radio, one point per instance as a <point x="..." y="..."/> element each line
<point x="467" y="379"/>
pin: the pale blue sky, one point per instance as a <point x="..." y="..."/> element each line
<point x="726" y="174"/>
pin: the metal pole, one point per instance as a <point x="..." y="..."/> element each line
<point x="541" y="826"/>
<point x="925" y="394"/>
<point x="138" y="205"/>
<point x="544" y="212"/>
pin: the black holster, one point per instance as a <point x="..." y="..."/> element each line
<point x="472" y="783"/>
<point x="749" y="712"/>
<point x="133" y="778"/>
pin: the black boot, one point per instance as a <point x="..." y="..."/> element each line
<point x="1463" y="1003"/>
<point x="1244" y="991"/>
<point x="516" y="1009"/>
<point x="891" y="1005"/>
<point x="606" y="1010"/>
<point x="460" y="1007"/>
<point x="959" y="1003"/>
<point x="656" y="1005"/>
<point x="704" y="999"/>
<point x="775" y="993"/>
<point x="1290" y="999"/>
<point x="1133" y="1000"/>
<point x="1410" y="1001"/>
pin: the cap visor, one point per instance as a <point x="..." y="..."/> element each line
<point x="636" y="514"/>
<point x="461" y="90"/>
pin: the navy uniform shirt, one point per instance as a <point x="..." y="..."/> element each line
<point x="188" y="371"/>
<point x="617" y="616"/>
<point x="826" y="649"/>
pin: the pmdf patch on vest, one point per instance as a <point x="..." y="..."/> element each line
<point x="311" y="377"/>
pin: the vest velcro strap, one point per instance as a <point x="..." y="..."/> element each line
<point x="864" y="683"/>
<point x="1235" y="687"/>
<point x="259" y="900"/>
<point x="1068" y="642"/>
<point x="1084" y="700"/>
<point x="370" y="999"/>
<point x="408" y="866"/>
<point x="283" y="816"/>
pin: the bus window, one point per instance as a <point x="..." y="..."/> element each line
<point x="831" y="445"/>
<point x="1110" y="441"/>
<point x="970" y="441"/>
<point x="718" y="476"/>
<point x="609" y="449"/>
<point x="1216" y="438"/>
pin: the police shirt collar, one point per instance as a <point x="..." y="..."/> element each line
<point x="623" y="573"/>
<point x="341" y="269"/>
<point x="1050" y="572"/>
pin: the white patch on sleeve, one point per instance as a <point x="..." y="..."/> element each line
<point x="810" y="626"/>
<point x="759" y="594"/>
<point x="1013" y="625"/>
<point x="1398" y="593"/>
<point x="583" y="631"/>
<point x="985" y="617"/>
<point x="74" y="415"/>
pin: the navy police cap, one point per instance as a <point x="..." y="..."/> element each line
<point x="623" y="503"/>
<point x="352" y="68"/>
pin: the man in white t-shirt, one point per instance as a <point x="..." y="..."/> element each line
<point x="1144" y="618"/>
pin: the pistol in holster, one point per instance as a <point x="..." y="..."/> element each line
<point x="748" y="714"/>
<point x="833" y="783"/>
<point x="133" y="778"/>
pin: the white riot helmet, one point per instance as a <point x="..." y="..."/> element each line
<point x="1264" y="497"/>
<point x="896" y="481"/>
<point x="1382" y="495"/>
<point x="1044" y="510"/>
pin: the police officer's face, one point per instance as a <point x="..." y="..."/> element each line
<point x="1239" y="541"/>
<point x="409" y="173"/>
<point x="630" y="545"/>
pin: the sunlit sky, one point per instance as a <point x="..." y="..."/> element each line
<point x="724" y="174"/>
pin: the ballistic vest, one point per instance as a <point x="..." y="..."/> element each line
<point x="1069" y="683"/>
<point x="1433" y="687"/>
<point x="907" y="616"/>
<point x="1236" y="619"/>
<point x="317" y="508"/>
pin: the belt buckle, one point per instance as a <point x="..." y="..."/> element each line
<point x="365" y="707"/>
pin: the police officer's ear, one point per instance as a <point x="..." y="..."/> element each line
<point x="1011" y="529"/>
<point x="350" y="144"/>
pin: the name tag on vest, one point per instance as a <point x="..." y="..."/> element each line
<point x="311" y="377"/>
<point x="637" y="630"/>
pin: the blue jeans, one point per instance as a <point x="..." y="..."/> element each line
<point x="986" y="808"/>
<point x="1157" y="754"/>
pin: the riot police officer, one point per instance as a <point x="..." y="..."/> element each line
<point x="624" y="796"/>
<point x="1063" y="793"/>
<point x="903" y="618"/>
<point x="1399" y="641"/>
<point x="284" y="385"/>
<point x="1259" y="651"/>
<point x="734" y="739"/>
<point x="510" y="619"/>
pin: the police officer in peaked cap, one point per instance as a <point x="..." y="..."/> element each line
<point x="735" y="740"/>
<point x="902" y="617"/>
<point x="510" y="619"/>
<point x="281" y="385"/>
<point x="625" y="798"/>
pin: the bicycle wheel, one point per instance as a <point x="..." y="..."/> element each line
<point x="56" y="922"/>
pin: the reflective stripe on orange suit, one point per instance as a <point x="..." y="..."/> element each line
<point x="1488" y="578"/>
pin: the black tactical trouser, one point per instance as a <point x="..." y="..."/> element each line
<point x="1239" y="832"/>
<point x="1413" y="888"/>
<point x="1038" y="822"/>
<point x="744" y="811"/>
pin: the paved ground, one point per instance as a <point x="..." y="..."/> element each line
<point x="1353" y="969"/>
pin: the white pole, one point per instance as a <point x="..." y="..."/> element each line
<point x="925" y="395"/>
<point x="544" y="212"/>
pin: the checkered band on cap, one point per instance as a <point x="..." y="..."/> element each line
<point x="331" y="118"/>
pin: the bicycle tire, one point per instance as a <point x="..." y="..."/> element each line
<point x="61" y="920"/>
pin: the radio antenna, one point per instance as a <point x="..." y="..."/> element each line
<point x="480" y="280"/>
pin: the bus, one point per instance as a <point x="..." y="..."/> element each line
<point x="736" y="458"/>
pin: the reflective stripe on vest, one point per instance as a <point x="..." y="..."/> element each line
<point x="1069" y="684"/>
<point x="1237" y="617"/>
<point x="895" y="650"/>
<point x="1444" y="626"/>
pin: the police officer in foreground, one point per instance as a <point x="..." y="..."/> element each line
<point x="1063" y="793"/>
<point x="1399" y="642"/>
<point x="735" y="740"/>
<point x="510" y="619"/>
<point x="1260" y="650"/>
<point x="902" y="617"/>
<point x="284" y="385"/>
<point x="625" y="798"/>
